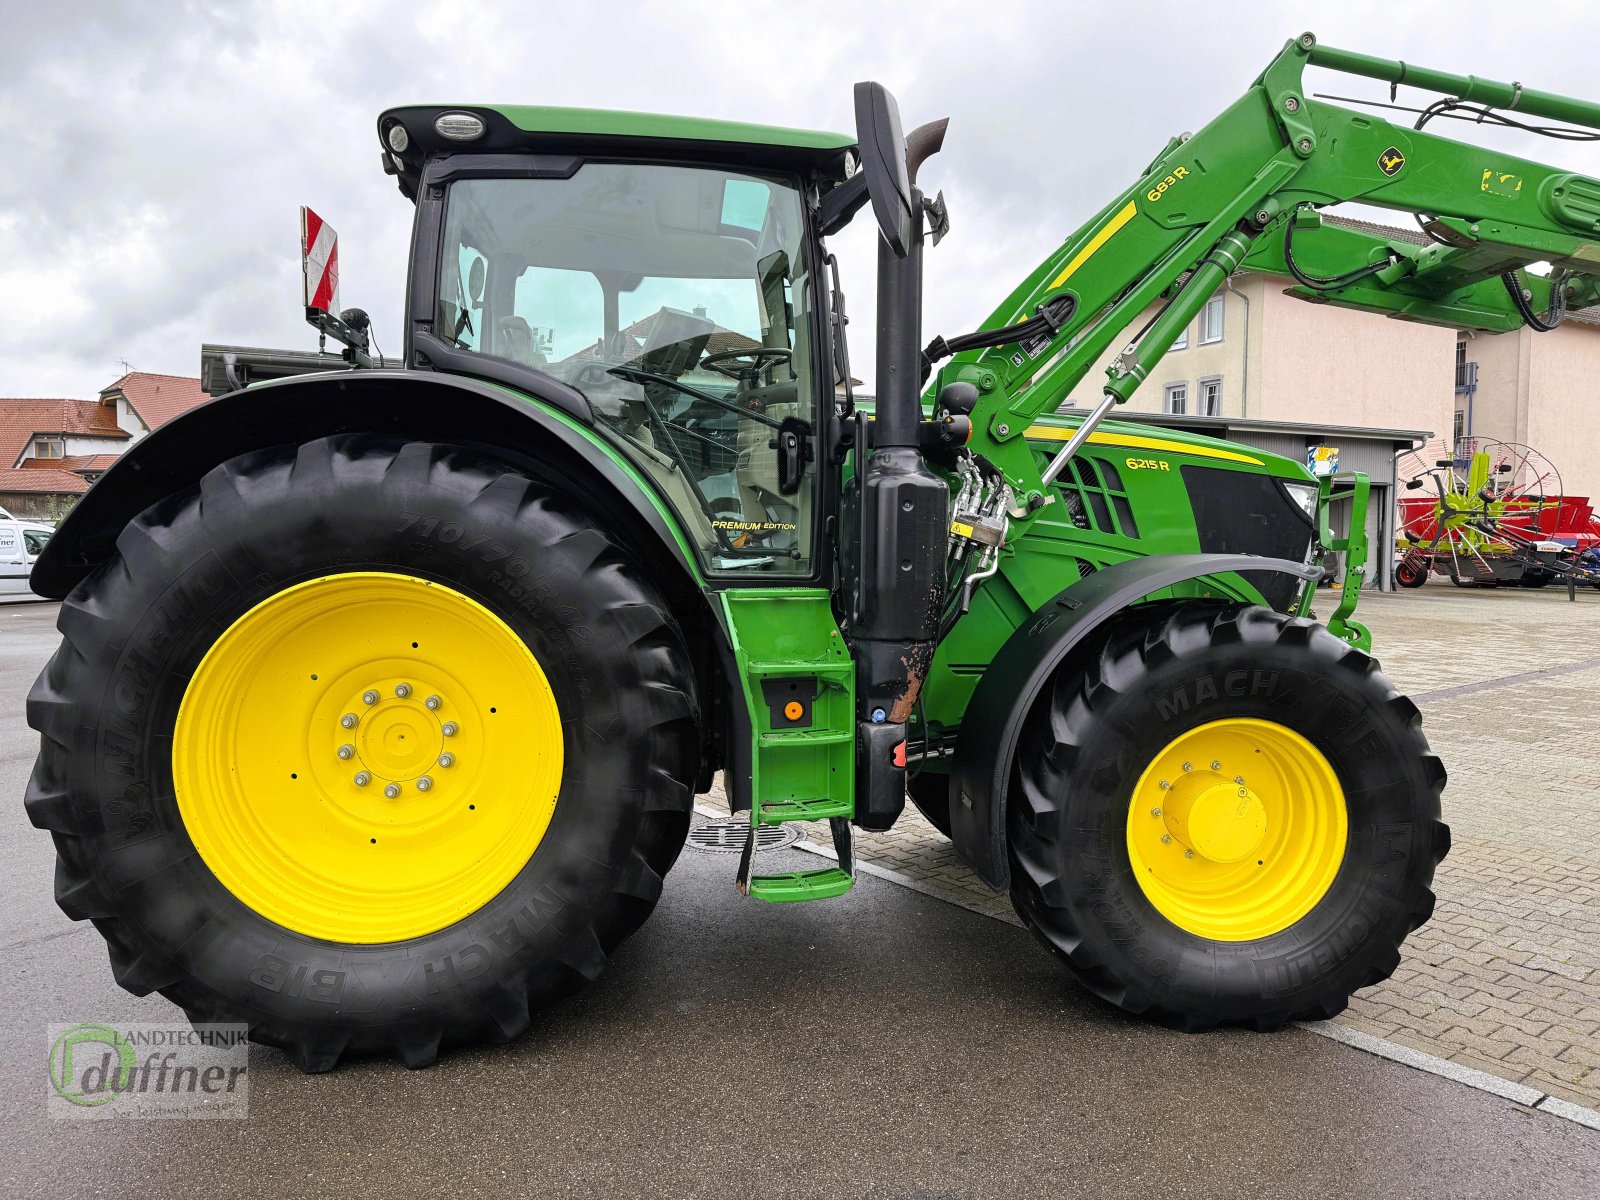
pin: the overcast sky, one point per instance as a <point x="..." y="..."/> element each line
<point x="153" y="156"/>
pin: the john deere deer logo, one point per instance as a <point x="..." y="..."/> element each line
<point x="1391" y="160"/>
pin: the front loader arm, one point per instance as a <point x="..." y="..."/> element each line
<point x="1243" y="192"/>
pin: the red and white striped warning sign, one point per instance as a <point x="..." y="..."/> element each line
<point x="319" y="260"/>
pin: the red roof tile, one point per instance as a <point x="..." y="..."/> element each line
<point x="21" y="420"/>
<point x="95" y="462"/>
<point x="17" y="480"/>
<point x="1393" y="233"/>
<point x="157" y="398"/>
<point x="72" y="462"/>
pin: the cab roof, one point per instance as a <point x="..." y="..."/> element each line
<point x="602" y="122"/>
<point x="512" y="128"/>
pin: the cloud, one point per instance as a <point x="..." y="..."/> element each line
<point x="156" y="154"/>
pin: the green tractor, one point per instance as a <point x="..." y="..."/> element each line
<point x="384" y="693"/>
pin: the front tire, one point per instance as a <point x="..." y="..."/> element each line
<point x="361" y="606"/>
<point x="1225" y="815"/>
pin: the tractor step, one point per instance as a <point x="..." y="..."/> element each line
<point x="778" y="812"/>
<point x="789" y="887"/>
<point x="793" y="886"/>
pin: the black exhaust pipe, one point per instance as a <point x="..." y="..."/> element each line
<point x="904" y="506"/>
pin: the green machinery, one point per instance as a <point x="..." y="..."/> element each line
<point x="1493" y="518"/>
<point x="384" y="693"/>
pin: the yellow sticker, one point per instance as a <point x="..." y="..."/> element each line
<point x="1499" y="183"/>
<point x="1098" y="240"/>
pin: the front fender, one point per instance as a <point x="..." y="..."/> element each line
<point x="987" y="743"/>
<point x="419" y="405"/>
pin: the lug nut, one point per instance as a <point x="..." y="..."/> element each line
<point x="424" y="783"/>
<point x="348" y="720"/>
<point x="433" y="703"/>
<point x="1155" y="812"/>
<point x="362" y="779"/>
<point x="402" y="690"/>
<point x="1215" y="765"/>
<point x="1188" y="767"/>
<point x="448" y="729"/>
<point x="447" y="760"/>
<point x="392" y="791"/>
<point x="369" y="697"/>
<point x="1166" y="838"/>
<point x="1165" y="786"/>
<point x="1239" y="779"/>
<point x="1188" y="853"/>
<point x="347" y="751"/>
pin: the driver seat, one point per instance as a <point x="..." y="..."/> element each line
<point x="516" y="342"/>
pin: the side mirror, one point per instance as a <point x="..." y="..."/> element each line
<point x="882" y="148"/>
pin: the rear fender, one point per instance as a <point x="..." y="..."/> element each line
<point x="532" y="433"/>
<point x="410" y="404"/>
<point x="986" y="745"/>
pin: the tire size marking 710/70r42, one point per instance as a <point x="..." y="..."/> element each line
<point x="449" y="533"/>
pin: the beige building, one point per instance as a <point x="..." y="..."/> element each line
<point x="1539" y="389"/>
<point x="1257" y="354"/>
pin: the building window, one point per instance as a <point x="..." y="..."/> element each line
<point x="1211" y="321"/>
<point x="1175" y="399"/>
<point x="49" y="447"/>
<point x="1461" y="426"/>
<point x="1183" y="340"/>
<point x="1211" y="397"/>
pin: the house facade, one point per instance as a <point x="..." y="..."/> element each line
<point x="1257" y="354"/>
<point x="51" y="450"/>
<point x="1540" y="390"/>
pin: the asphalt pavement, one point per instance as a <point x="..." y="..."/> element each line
<point x="885" y="1044"/>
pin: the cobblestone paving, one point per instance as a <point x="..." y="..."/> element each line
<point x="1506" y="977"/>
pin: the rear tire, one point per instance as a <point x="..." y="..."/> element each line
<point x="193" y="568"/>
<point x="1091" y="745"/>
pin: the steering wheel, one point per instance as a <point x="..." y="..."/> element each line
<point x="755" y="360"/>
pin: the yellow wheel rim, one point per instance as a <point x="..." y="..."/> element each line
<point x="367" y="757"/>
<point x="1237" y="829"/>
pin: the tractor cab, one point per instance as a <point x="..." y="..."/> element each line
<point x="662" y="278"/>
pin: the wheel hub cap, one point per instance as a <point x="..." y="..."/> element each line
<point x="1216" y="818"/>
<point x="399" y="739"/>
<point x="1236" y="829"/>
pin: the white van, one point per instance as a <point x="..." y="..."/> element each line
<point x="20" y="544"/>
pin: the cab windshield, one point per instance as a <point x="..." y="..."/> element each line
<point x="675" y="299"/>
